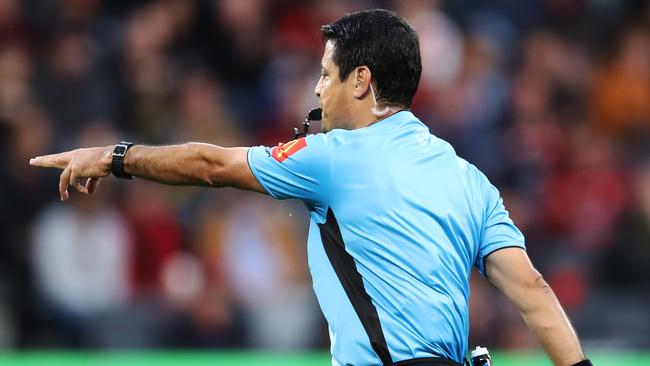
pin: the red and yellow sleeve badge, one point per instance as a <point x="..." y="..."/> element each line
<point x="283" y="151"/>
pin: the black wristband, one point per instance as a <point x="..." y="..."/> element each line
<point x="117" y="163"/>
<point x="583" y="363"/>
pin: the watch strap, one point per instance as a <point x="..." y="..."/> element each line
<point x="117" y="162"/>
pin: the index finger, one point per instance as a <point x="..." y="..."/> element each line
<point x="59" y="160"/>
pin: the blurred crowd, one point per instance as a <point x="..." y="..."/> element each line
<point x="550" y="98"/>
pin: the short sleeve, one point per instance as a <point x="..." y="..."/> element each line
<point x="499" y="231"/>
<point x="297" y="169"/>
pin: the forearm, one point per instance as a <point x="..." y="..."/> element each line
<point x="186" y="164"/>
<point x="512" y="272"/>
<point x="544" y="316"/>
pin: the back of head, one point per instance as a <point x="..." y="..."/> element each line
<point x="386" y="44"/>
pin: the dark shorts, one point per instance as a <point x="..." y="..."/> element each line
<point x="429" y="361"/>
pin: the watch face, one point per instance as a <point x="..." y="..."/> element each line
<point x="119" y="150"/>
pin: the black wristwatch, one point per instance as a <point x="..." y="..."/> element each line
<point x="117" y="164"/>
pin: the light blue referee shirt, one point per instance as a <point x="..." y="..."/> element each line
<point x="397" y="222"/>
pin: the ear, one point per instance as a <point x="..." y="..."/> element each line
<point x="362" y="78"/>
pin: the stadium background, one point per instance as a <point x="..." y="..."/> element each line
<point x="551" y="98"/>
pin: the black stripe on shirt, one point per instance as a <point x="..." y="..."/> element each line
<point x="346" y="270"/>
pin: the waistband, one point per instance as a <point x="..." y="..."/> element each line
<point x="427" y="361"/>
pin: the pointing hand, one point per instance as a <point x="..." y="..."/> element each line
<point x="90" y="164"/>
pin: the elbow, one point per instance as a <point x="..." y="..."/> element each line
<point x="213" y="174"/>
<point x="212" y="179"/>
<point x="534" y="291"/>
<point x="210" y="170"/>
<point x="535" y="281"/>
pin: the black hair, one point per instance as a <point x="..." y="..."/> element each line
<point x="384" y="42"/>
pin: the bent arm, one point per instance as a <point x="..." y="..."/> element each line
<point x="511" y="271"/>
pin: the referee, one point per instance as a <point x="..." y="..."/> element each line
<point x="397" y="219"/>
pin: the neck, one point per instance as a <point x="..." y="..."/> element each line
<point x="366" y="117"/>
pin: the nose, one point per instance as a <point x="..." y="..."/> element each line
<point x="319" y="87"/>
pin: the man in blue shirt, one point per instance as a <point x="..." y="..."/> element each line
<point x="390" y="255"/>
<point x="397" y="219"/>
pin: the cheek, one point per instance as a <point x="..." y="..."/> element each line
<point x="331" y="92"/>
<point x="328" y="96"/>
<point x="325" y="88"/>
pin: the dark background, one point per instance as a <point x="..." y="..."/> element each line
<point x="550" y="98"/>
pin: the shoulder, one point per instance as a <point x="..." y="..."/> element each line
<point x="471" y="171"/>
<point x="476" y="181"/>
<point x="334" y="141"/>
<point x="303" y="148"/>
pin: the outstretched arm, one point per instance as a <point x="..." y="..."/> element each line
<point x="187" y="164"/>
<point x="512" y="272"/>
